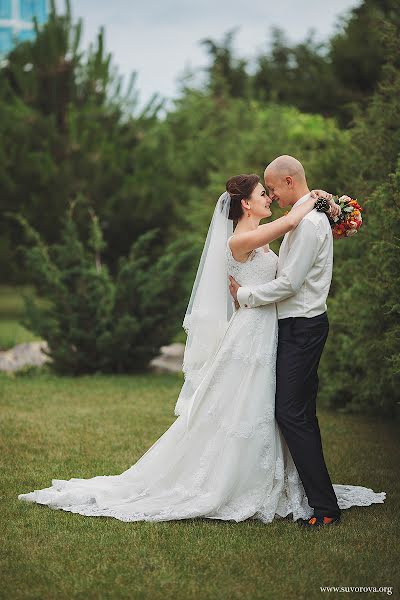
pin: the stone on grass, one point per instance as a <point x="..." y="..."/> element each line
<point x="23" y="355"/>
<point x="170" y="359"/>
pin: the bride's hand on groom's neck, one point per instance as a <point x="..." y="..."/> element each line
<point x="321" y="194"/>
<point x="335" y="209"/>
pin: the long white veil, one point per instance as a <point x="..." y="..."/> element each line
<point x="210" y="306"/>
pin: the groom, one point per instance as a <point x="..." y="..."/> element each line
<point x="300" y="290"/>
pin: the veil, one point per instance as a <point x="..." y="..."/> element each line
<point x="210" y="306"/>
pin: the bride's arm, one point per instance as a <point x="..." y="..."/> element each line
<point x="247" y="241"/>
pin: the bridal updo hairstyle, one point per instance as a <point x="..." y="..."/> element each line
<point x="239" y="188"/>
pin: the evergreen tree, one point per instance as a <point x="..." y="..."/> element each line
<point x="68" y="128"/>
<point x="91" y="321"/>
<point x="364" y="309"/>
<point x="227" y="75"/>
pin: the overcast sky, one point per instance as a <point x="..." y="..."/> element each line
<point x="159" y="39"/>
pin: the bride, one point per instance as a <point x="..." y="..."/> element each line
<point x="224" y="456"/>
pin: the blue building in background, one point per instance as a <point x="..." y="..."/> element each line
<point x="16" y="21"/>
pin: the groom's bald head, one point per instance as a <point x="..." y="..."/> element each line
<point x="286" y="180"/>
<point x="286" y="165"/>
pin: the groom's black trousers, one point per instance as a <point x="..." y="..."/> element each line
<point x="300" y="345"/>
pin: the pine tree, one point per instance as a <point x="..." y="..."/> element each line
<point x="364" y="308"/>
<point x="91" y="321"/>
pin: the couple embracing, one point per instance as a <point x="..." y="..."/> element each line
<point x="246" y="443"/>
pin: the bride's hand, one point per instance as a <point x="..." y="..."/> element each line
<point x="321" y="194"/>
<point x="335" y="209"/>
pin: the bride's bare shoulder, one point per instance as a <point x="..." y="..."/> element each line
<point x="234" y="243"/>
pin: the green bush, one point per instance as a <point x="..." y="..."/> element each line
<point x="361" y="366"/>
<point x="92" y="322"/>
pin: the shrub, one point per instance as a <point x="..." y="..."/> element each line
<point x="91" y="322"/>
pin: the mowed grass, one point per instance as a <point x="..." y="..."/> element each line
<point x="62" y="427"/>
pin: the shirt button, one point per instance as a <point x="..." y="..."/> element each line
<point x="246" y="306"/>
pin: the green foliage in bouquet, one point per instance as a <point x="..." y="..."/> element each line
<point x="92" y="322"/>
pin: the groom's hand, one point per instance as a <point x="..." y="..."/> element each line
<point x="233" y="288"/>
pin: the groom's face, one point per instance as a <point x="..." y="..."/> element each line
<point x="280" y="189"/>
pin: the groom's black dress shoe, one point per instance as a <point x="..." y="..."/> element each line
<point x="315" y="522"/>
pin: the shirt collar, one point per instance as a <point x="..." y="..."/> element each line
<point x="301" y="200"/>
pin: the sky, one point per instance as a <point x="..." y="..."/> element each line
<point x="159" y="39"/>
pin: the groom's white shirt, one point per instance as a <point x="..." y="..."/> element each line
<point x="304" y="272"/>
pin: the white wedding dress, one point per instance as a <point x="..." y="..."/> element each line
<point x="231" y="462"/>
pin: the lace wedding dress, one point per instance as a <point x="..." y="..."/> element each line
<point x="228" y="460"/>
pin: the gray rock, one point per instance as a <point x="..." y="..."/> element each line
<point x="170" y="359"/>
<point x="22" y="355"/>
<point x="30" y="354"/>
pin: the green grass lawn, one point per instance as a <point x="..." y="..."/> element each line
<point x="63" y="427"/>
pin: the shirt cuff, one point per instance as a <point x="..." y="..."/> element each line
<point x="243" y="296"/>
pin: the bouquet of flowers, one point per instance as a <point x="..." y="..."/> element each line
<point x="348" y="222"/>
